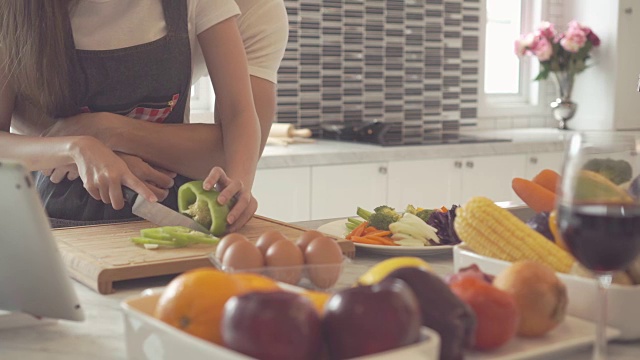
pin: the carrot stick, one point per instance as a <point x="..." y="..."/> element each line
<point x="535" y="196"/>
<point x="370" y="229"/>
<point x="379" y="233"/>
<point x="548" y="179"/>
<point x="383" y="240"/>
<point x="358" y="230"/>
<point x="364" y="240"/>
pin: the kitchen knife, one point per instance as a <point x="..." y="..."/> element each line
<point x="158" y="213"/>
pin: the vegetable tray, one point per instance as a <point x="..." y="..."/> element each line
<point x="100" y="255"/>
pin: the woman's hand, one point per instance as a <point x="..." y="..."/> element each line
<point x="104" y="173"/>
<point x="245" y="204"/>
<point x="158" y="180"/>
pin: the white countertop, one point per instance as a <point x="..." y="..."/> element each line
<point x="101" y="336"/>
<point x="328" y="152"/>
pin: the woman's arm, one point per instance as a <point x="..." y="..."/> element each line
<point x="102" y="172"/>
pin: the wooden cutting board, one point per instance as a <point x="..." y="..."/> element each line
<point x="100" y="255"/>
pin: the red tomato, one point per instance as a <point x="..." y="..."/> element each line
<point x="496" y="312"/>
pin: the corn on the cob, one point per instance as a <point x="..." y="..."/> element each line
<point x="493" y="231"/>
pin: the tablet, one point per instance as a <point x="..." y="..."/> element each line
<point x="33" y="279"/>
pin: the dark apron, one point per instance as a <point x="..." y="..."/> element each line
<point x="149" y="82"/>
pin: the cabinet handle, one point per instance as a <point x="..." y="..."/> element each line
<point x="470" y="164"/>
<point x="533" y="160"/>
<point x="383" y="170"/>
<point x="458" y="164"/>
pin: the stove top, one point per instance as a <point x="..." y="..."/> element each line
<point x="385" y="134"/>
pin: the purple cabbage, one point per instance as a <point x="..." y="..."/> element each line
<point x="443" y="222"/>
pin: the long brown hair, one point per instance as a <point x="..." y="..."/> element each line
<point x="36" y="45"/>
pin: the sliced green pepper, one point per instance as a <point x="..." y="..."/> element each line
<point x="203" y="207"/>
<point x="173" y="236"/>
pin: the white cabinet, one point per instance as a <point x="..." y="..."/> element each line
<point x="425" y="183"/>
<point x="284" y="194"/>
<point x="491" y="176"/>
<point x="437" y="182"/>
<point x="537" y="162"/>
<point x="337" y="190"/>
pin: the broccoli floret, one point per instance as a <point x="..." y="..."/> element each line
<point x="618" y="171"/>
<point x="380" y="218"/>
<point x="411" y="209"/>
<point x="424" y="214"/>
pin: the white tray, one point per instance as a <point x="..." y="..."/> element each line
<point x="150" y="338"/>
<point x="623" y="301"/>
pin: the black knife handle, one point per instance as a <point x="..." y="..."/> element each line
<point x="129" y="195"/>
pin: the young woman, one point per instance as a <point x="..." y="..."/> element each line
<point x="99" y="67"/>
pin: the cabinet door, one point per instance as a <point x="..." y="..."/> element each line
<point x="283" y="194"/>
<point x="537" y="162"/>
<point x="491" y="176"/>
<point x="337" y="190"/>
<point x="425" y="183"/>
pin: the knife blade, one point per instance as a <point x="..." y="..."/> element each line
<point x="158" y="213"/>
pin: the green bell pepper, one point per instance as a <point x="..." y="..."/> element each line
<point x="203" y="207"/>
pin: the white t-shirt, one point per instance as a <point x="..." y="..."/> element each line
<point x="114" y="24"/>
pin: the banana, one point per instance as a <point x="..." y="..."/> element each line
<point x="379" y="271"/>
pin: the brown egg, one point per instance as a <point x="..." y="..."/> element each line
<point x="306" y="237"/>
<point x="226" y="241"/>
<point x="285" y="261"/>
<point x="242" y="255"/>
<point x="324" y="259"/>
<point x="269" y="238"/>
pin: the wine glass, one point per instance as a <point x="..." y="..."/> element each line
<point x="599" y="210"/>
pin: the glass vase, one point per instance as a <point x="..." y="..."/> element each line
<point x="563" y="108"/>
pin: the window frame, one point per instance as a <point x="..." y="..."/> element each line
<point x="530" y="99"/>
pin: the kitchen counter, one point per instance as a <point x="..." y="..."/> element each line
<point x="101" y="336"/>
<point x="329" y="152"/>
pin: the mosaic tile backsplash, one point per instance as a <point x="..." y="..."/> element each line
<point x="411" y="63"/>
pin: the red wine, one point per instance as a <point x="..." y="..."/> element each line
<point x="601" y="237"/>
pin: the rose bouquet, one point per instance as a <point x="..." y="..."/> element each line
<point x="558" y="52"/>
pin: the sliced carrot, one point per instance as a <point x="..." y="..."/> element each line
<point x="358" y="230"/>
<point x="535" y="196"/>
<point x="443" y="209"/>
<point x="548" y="179"/>
<point x="364" y="240"/>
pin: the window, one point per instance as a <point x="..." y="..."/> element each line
<point x="506" y="81"/>
<point x="202" y="96"/>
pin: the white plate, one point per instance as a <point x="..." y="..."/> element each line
<point x="571" y="334"/>
<point x="338" y="228"/>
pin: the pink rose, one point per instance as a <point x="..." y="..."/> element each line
<point x="593" y="38"/>
<point x="547" y="30"/>
<point x="574" y="38"/>
<point x="524" y="43"/>
<point x="543" y="49"/>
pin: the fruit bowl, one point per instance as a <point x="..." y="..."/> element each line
<point x="150" y="338"/>
<point x="321" y="277"/>
<point x="622" y="299"/>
